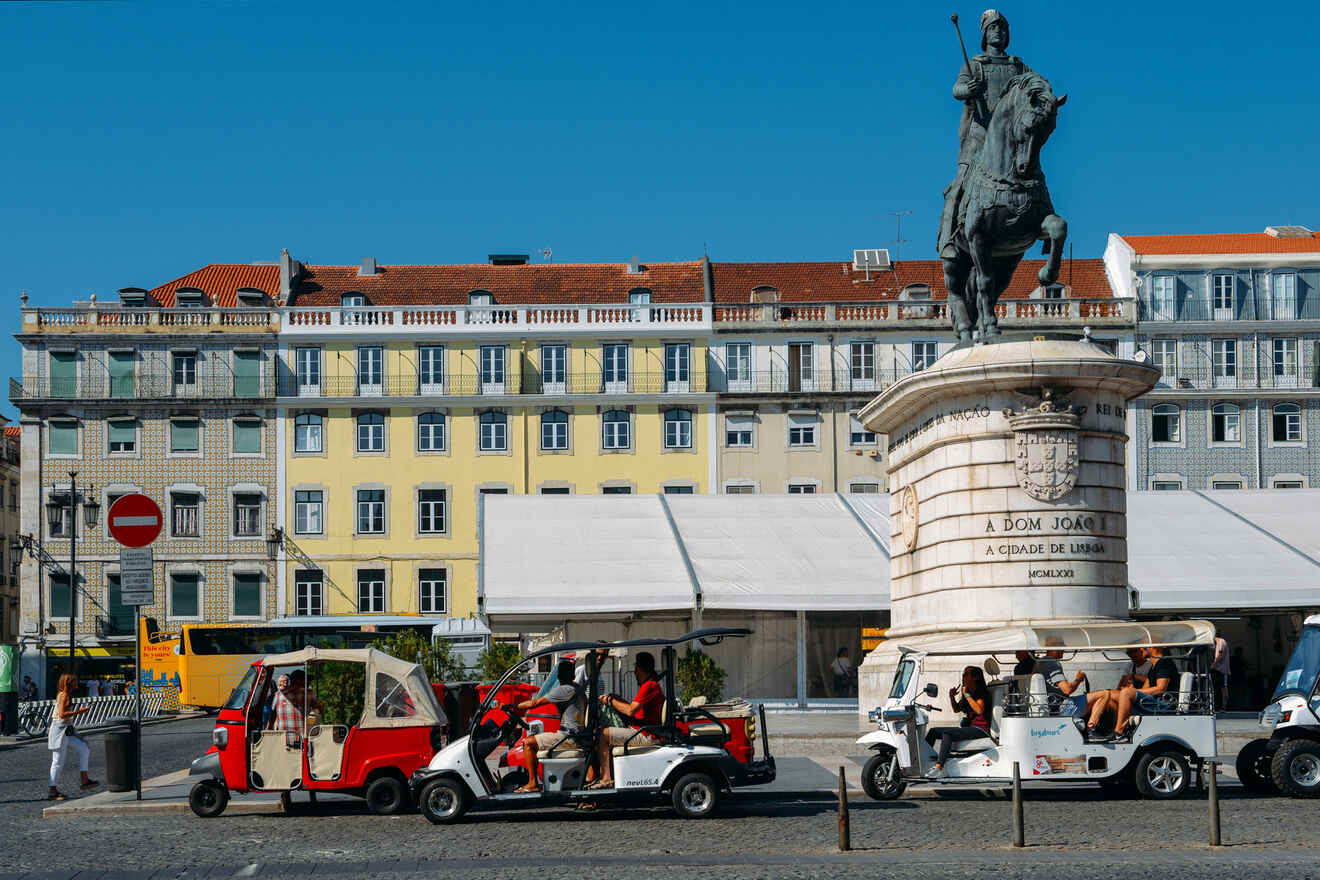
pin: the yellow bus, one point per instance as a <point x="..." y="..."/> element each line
<point x="211" y="659"/>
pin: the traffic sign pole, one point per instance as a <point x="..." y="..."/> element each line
<point x="137" y="690"/>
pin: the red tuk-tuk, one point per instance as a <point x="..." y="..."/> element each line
<point x="364" y="722"/>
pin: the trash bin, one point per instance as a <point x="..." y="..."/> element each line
<point x="121" y="756"/>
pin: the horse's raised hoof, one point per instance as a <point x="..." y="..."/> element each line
<point x="1047" y="277"/>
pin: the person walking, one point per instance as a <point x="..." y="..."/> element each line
<point x="63" y="735"/>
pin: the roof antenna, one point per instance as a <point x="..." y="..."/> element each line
<point x="547" y="255"/>
<point x="899" y="240"/>
<point x="705" y="249"/>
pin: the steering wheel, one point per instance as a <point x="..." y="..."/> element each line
<point x="512" y="728"/>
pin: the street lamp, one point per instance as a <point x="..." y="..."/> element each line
<point x="273" y="542"/>
<point x="55" y="509"/>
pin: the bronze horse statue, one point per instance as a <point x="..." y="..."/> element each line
<point x="1004" y="207"/>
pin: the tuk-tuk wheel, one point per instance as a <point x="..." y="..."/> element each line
<point x="386" y="796"/>
<point x="1163" y="775"/>
<point x="1253" y="768"/>
<point x="208" y="798"/>
<point x="875" y="777"/>
<point x="695" y="796"/>
<point x="443" y="801"/>
<point x="1296" y="768"/>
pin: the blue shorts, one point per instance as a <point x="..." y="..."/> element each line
<point x="1150" y="703"/>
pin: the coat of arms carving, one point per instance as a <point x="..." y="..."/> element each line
<point x="907" y="517"/>
<point x="1046" y="438"/>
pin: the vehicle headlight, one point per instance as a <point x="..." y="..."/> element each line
<point x="1270" y="717"/>
<point x="220" y="736"/>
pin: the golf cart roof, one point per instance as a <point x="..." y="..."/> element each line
<point x="1078" y="637"/>
<point x="709" y="635"/>
<point x="1313" y="620"/>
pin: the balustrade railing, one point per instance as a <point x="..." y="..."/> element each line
<point x="1011" y="312"/>
<point x="110" y="317"/>
<point x="497" y="317"/>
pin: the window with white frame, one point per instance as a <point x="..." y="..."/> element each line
<point x="1052" y="291"/>
<point x="680" y="489"/>
<point x="430" y="369"/>
<point x="639" y="296"/>
<point x="493" y="431"/>
<point x="371" y="590"/>
<point x="861" y="361"/>
<point x="1162" y="297"/>
<point x="431" y="432"/>
<point x="678" y="429"/>
<point x="431" y="583"/>
<point x="370" y="432"/>
<point x="371" y="370"/>
<point x="1225" y="423"/>
<point x="247" y="515"/>
<point x="431" y="511"/>
<point x="616" y="490"/>
<point x="352" y="300"/>
<point x="1283" y="296"/>
<point x="1222" y="297"/>
<point x="185" y="435"/>
<point x="1285" y="363"/>
<point x="481" y="298"/>
<point x="1287" y="484"/>
<point x="308" y="512"/>
<point x="864" y="487"/>
<point x="678" y="366"/>
<point x="615" y="430"/>
<point x="492" y="369"/>
<point x="614" y="365"/>
<point x="185" y="515"/>
<point x="1166" y="485"/>
<point x="738" y="364"/>
<point x="121" y="436"/>
<point x="1225" y="484"/>
<point x="247" y="435"/>
<point x="371" y="511"/>
<point x="307" y="368"/>
<point x="554" y="430"/>
<point x="308" y="433"/>
<point x="858" y="435"/>
<point x="62" y="436"/>
<point x="247" y="594"/>
<point x="184" y="372"/>
<point x="309" y="593"/>
<point x="1223" y="354"/>
<point x="801" y="366"/>
<point x="739" y="489"/>
<point x="1165" y="423"/>
<point x="801" y="488"/>
<point x="1164" y="355"/>
<point x="554" y="369"/>
<point x="1286" y="423"/>
<point x="185" y="594"/>
<point x="802" y="430"/>
<point x="923" y="355"/>
<point x="739" y="432"/>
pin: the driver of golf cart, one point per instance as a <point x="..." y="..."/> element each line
<point x="569" y="701"/>
<point x="644" y="711"/>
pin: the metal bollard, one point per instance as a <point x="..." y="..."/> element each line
<point x="1214" y="804"/>
<point x="1019" y="833"/>
<point x="845" y="833"/>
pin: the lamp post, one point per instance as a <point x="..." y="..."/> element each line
<point x="55" y="509"/>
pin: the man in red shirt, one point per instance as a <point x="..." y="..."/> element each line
<point x="644" y="711"/>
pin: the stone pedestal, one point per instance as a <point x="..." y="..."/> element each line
<point x="1007" y="494"/>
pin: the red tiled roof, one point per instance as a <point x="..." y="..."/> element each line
<point x="838" y="281"/>
<point x="1224" y="243"/>
<point x="513" y="285"/>
<point x="219" y="281"/>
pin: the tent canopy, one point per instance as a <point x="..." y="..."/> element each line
<point x="1081" y="637"/>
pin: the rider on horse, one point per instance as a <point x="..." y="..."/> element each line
<point x="980" y="85"/>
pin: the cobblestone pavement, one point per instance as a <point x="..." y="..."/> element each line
<point x="1078" y="833"/>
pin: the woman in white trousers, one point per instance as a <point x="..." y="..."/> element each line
<point x="63" y="735"/>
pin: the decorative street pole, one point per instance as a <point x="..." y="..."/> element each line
<point x="55" y="509"/>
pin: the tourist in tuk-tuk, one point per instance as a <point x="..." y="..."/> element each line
<point x="568" y="700"/>
<point x="974" y="705"/>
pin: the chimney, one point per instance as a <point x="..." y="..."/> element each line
<point x="368" y="266"/>
<point x="290" y="270"/>
<point x="634" y="267"/>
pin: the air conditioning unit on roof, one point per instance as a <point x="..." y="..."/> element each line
<point x="871" y="259"/>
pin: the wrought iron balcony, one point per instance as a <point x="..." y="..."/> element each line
<point x="785" y="381"/>
<point x="100" y="388"/>
<point x="472" y="384"/>
<point x="1209" y="379"/>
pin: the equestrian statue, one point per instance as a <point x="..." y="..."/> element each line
<point x="997" y="206"/>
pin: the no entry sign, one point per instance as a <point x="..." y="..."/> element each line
<point x="135" y="520"/>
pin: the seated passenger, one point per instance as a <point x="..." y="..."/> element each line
<point x="1102" y="701"/>
<point x="1063" y="689"/>
<point x="643" y="711"/>
<point x="974" y="704"/>
<point x="1146" y="696"/>
<point x="567" y="699"/>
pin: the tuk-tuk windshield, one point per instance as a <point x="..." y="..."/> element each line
<point x="902" y="676"/>
<point x="239" y="696"/>
<point x="1303" y="666"/>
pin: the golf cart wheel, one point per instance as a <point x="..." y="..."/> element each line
<point x="1163" y="775"/>
<point x="695" y="796"/>
<point x="875" y="777"/>
<point x="1253" y="768"/>
<point x="444" y="801"/>
<point x="386" y="796"/>
<point x="1296" y="768"/>
<point x="208" y="798"/>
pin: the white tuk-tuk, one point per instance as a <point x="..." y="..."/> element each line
<point x="1044" y="733"/>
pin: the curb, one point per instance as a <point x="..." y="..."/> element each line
<point x="13" y="742"/>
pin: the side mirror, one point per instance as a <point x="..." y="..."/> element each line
<point x="932" y="689"/>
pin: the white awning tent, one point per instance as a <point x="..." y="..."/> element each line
<point x="1210" y="551"/>
<point x="563" y="556"/>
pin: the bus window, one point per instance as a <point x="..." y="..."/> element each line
<point x="239" y="640"/>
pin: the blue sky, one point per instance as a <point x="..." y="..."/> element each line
<point x="142" y="140"/>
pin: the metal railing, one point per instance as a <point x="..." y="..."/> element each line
<point x="1211" y="379"/>
<point x="1011" y="312"/>
<point x="1199" y="700"/>
<point x="498" y="318"/>
<point x="792" y="382"/>
<point x="474" y="384"/>
<point x="34" y="716"/>
<point x="144" y="386"/>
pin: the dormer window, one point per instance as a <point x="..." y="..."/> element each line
<point x="251" y="296"/>
<point x="133" y="297"/>
<point x="1054" y="291"/>
<point x="481" y="298"/>
<point x="765" y="294"/>
<point x="189" y="298"/>
<point x="353" y="300"/>
<point x="915" y="291"/>
<point x="639" y="296"/>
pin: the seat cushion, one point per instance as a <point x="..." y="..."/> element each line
<point x="707" y="729"/>
<point x="975" y="745"/>
<point x="565" y="753"/>
<point x="620" y="751"/>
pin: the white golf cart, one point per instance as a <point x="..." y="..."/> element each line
<point x="1289" y="760"/>
<point x="692" y="762"/>
<point x="1043" y="733"/>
